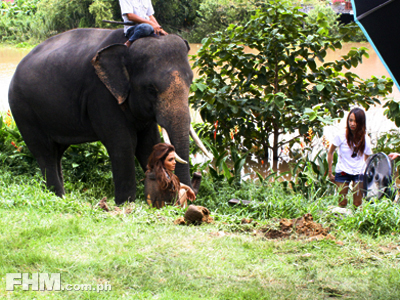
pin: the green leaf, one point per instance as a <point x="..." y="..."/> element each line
<point x="200" y="86"/>
<point x="220" y="159"/>
<point x="394" y="107"/>
<point x="279" y="101"/>
<point x="260" y="177"/>
<point x="227" y="172"/>
<point x="239" y="165"/>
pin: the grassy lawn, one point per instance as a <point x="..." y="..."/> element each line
<point x="143" y="255"/>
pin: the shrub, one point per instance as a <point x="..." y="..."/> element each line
<point x="217" y="15"/>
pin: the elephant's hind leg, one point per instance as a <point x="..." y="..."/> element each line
<point x="50" y="165"/>
<point x="47" y="152"/>
<point x="48" y="155"/>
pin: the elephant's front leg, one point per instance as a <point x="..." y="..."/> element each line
<point x="123" y="169"/>
<point x="121" y="149"/>
<point x="120" y="140"/>
<point x="146" y="140"/>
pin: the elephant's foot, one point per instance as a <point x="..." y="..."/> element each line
<point x="196" y="181"/>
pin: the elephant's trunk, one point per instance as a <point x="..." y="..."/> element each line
<point x="179" y="135"/>
<point x="172" y="113"/>
<point x="168" y="141"/>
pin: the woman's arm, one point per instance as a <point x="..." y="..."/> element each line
<point x="190" y="194"/>
<point x="394" y="155"/>
<point x="330" y="160"/>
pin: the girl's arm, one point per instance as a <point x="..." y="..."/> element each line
<point x="330" y="160"/>
<point x="190" y="194"/>
<point x="394" y="155"/>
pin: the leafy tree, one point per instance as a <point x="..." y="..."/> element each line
<point x="216" y="15"/>
<point x="278" y="88"/>
<point x="16" y="19"/>
<point x="61" y="15"/>
<point x="101" y="10"/>
<point x="176" y="15"/>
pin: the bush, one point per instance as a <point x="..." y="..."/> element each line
<point x="176" y="15"/>
<point x="85" y="166"/>
<point x="216" y="15"/>
<point x="13" y="151"/>
<point x="16" y="20"/>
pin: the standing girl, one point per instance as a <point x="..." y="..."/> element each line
<point x="354" y="148"/>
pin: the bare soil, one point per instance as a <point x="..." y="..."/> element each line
<point x="117" y="211"/>
<point x="304" y="226"/>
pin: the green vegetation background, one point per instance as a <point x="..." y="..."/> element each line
<point x="32" y="21"/>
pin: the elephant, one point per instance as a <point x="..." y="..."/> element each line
<point x="85" y="85"/>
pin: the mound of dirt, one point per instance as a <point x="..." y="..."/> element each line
<point x="195" y="215"/>
<point x="103" y="204"/>
<point x="304" y="226"/>
<point x="117" y="211"/>
<point x="180" y="221"/>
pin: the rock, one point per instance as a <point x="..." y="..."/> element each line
<point x="197" y="215"/>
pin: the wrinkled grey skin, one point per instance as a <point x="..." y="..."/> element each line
<point x="66" y="91"/>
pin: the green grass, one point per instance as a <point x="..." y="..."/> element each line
<point x="143" y="255"/>
<point x="150" y="258"/>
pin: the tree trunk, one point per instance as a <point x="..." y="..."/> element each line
<point x="275" y="148"/>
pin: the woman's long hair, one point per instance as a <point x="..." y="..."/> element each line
<point x="156" y="165"/>
<point x="356" y="141"/>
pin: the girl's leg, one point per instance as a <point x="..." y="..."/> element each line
<point x="357" y="196"/>
<point x="182" y="198"/>
<point x="343" y="190"/>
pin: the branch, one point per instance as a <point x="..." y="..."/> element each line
<point x="287" y="142"/>
<point x="118" y="22"/>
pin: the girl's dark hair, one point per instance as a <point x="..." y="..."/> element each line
<point x="156" y="165"/>
<point x="356" y="141"/>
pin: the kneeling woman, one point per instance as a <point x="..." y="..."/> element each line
<point x="354" y="148"/>
<point x="162" y="186"/>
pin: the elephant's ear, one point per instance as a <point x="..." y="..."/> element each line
<point x="110" y="65"/>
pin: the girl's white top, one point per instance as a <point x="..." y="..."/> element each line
<point x="346" y="163"/>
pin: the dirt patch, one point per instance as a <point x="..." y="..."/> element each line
<point x="304" y="226"/>
<point x="246" y="221"/>
<point x="117" y="211"/>
<point x="195" y="215"/>
<point x="103" y="204"/>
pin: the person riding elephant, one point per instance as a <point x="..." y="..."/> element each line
<point x="85" y="85"/>
<point x="141" y="12"/>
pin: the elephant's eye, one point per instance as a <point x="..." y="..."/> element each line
<point x="151" y="89"/>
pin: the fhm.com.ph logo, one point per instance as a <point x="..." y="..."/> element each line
<point x="48" y="282"/>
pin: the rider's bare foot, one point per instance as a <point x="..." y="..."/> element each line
<point x="128" y="43"/>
